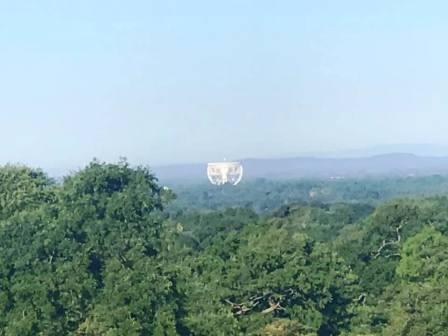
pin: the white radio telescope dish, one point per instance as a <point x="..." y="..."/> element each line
<point x="220" y="173"/>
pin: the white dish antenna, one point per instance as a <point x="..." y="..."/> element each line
<point x="220" y="173"/>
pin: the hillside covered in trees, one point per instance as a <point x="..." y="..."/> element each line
<point x="101" y="253"/>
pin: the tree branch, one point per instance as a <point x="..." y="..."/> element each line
<point x="389" y="243"/>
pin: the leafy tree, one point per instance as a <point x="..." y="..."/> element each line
<point x="99" y="254"/>
<point x="421" y="304"/>
<point x="23" y="188"/>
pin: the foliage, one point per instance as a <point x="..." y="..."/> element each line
<point x="265" y="196"/>
<point x="100" y="254"/>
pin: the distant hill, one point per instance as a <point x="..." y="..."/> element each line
<point x="416" y="149"/>
<point x="394" y="164"/>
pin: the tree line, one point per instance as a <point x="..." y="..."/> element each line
<point x="100" y="253"/>
<point x="265" y="196"/>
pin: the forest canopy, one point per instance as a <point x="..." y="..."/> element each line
<point x="108" y="252"/>
<point x="265" y="196"/>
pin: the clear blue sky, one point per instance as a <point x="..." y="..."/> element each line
<point x="184" y="81"/>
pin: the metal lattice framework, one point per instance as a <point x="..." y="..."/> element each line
<point x="220" y="173"/>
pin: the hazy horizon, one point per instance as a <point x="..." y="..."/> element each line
<point x="177" y="82"/>
<point x="420" y="151"/>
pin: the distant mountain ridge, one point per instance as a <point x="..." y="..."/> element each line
<point x="392" y="164"/>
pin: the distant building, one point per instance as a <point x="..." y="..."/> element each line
<point x="220" y="173"/>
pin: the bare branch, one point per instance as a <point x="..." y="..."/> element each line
<point x="273" y="307"/>
<point x="239" y="309"/>
<point x="389" y="243"/>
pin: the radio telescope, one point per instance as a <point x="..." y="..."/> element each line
<point x="220" y="173"/>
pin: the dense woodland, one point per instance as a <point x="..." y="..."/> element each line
<point x="109" y="251"/>
<point x="264" y="196"/>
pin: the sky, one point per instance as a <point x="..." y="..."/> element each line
<point x="174" y="81"/>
